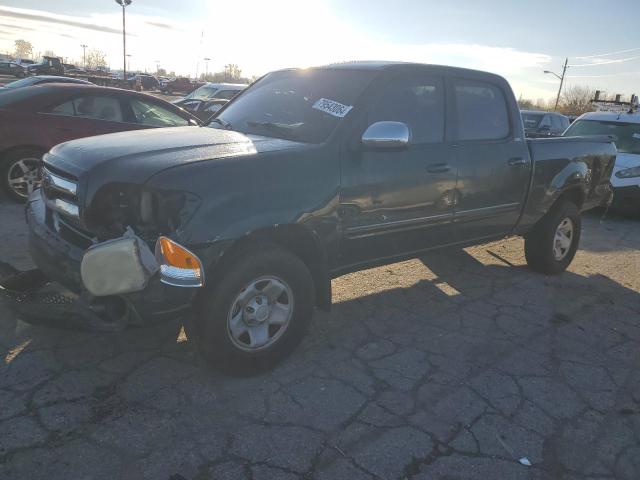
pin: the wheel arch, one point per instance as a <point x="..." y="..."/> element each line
<point x="294" y="238"/>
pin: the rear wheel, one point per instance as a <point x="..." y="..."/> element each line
<point x="553" y="243"/>
<point x="255" y="314"/>
<point x="21" y="172"/>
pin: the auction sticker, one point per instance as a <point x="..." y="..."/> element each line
<point x="331" y="107"/>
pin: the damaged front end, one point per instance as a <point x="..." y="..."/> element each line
<point x="102" y="280"/>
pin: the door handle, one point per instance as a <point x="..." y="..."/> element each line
<point x="438" y="168"/>
<point x="514" y="162"/>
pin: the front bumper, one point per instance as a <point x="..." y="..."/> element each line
<point x="60" y="261"/>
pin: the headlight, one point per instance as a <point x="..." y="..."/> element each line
<point x="629" y="172"/>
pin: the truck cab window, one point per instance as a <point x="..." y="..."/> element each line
<point x="481" y="111"/>
<point x="417" y="102"/>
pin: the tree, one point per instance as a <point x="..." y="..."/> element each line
<point x="49" y="53"/>
<point x="23" y="49"/>
<point x="232" y="72"/>
<point x="161" y="71"/>
<point x="576" y="100"/>
<point x="96" y="58"/>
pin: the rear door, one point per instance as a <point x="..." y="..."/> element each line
<point x="492" y="159"/>
<point x="399" y="201"/>
<point x="86" y="115"/>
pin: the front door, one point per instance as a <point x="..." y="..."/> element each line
<point x="494" y="168"/>
<point x="398" y="201"/>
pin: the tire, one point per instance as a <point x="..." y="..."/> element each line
<point x="252" y="280"/>
<point x="550" y="247"/>
<point x="21" y="163"/>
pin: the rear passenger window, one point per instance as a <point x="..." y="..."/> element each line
<point x="481" y="111"/>
<point x="417" y="102"/>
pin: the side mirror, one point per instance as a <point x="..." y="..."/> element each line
<point x="386" y="135"/>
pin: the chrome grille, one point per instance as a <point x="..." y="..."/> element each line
<point x="60" y="193"/>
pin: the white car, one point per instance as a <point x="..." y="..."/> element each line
<point x="206" y="100"/>
<point x="626" y="172"/>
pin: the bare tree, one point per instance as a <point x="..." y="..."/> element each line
<point x="23" y="49"/>
<point x="49" y="53"/>
<point x="232" y="72"/>
<point x="96" y="58"/>
<point x="576" y="100"/>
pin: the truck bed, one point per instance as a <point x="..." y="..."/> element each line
<point x="561" y="161"/>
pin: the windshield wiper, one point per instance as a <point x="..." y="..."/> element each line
<point x="225" y="125"/>
<point x="289" y="128"/>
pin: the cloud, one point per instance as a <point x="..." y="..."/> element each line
<point x="16" y="27"/>
<point x="45" y="17"/>
<point x="160" y="25"/>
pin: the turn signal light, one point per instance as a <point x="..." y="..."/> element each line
<point x="178" y="266"/>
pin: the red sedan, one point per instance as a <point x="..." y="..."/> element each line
<point x="34" y="119"/>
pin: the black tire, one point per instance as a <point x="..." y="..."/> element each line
<point x="209" y="325"/>
<point x="539" y="243"/>
<point x="8" y="170"/>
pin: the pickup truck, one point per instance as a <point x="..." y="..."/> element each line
<point x="239" y="226"/>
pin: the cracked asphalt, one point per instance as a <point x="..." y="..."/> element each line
<point x="454" y="366"/>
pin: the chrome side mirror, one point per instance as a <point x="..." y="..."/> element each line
<point x="386" y="135"/>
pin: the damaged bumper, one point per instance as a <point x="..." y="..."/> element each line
<point x="60" y="260"/>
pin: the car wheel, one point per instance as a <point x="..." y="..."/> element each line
<point x="255" y="314"/>
<point x="21" y="172"/>
<point x="553" y="243"/>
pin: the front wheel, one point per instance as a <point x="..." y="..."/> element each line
<point x="550" y="247"/>
<point x="256" y="312"/>
<point x="21" y="172"/>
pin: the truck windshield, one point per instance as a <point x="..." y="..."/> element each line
<point x="628" y="134"/>
<point x="203" y="93"/>
<point x="532" y="120"/>
<point x="300" y="105"/>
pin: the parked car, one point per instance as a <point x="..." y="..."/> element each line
<point x="48" y="66"/>
<point x="179" y="85"/>
<point x="34" y="119"/>
<point x="24" y="62"/>
<point x="147" y="82"/>
<point x="543" y="124"/>
<point x="205" y="101"/>
<point x="307" y="175"/>
<point x="625" y="127"/>
<point x="11" y="68"/>
<point x="41" y="79"/>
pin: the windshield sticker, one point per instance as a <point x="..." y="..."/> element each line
<point x="331" y="107"/>
<point x="636" y="135"/>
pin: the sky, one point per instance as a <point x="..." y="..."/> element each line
<point x="513" y="38"/>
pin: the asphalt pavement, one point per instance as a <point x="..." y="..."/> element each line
<point x="464" y="365"/>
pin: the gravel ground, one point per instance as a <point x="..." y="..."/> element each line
<point x="452" y="366"/>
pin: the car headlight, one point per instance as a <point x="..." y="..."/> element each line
<point x="629" y="172"/>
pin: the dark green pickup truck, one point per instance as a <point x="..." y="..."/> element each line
<point x="306" y="175"/>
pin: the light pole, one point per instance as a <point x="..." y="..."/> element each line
<point x="123" y="4"/>
<point x="129" y="62"/>
<point x="561" y="78"/>
<point x="157" y="66"/>
<point x="206" y="67"/>
<point x="84" y="56"/>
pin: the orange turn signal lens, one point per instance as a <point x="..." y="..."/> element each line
<point x="178" y="266"/>
<point x="178" y="256"/>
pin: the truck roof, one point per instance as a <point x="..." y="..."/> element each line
<point x="621" y="117"/>
<point x="379" y="65"/>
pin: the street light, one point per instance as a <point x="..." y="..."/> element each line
<point x="157" y="66"/>
<point x="129" y="62"/>
<point x="84" y="56"/>
<point x="206" y="67"/>
<point x="561" y="78"/>
<point x="123" y="4"/>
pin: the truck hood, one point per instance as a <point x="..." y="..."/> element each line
<point x="142" y="153"/>
<point x="627" y="160"/>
